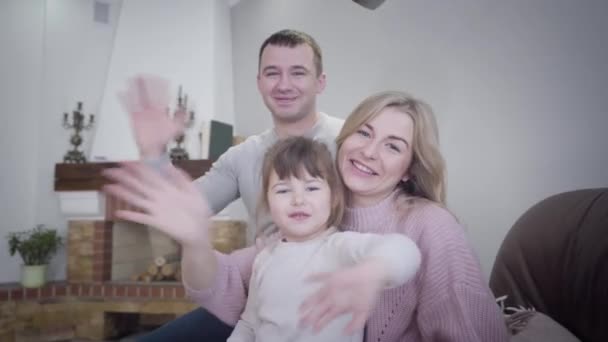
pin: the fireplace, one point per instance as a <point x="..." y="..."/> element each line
<point x="102" y="248"/>
<point x="100" y="299"/>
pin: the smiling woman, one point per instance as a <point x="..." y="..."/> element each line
<point x="391" y="139"/>
<point x="376" y="156"/>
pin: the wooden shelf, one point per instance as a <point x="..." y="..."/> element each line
<point x="87" y="176"/>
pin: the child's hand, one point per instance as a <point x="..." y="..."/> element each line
<point x="170" y="202"/>
<point x="353" y="290"/>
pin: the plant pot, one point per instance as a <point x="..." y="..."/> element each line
<point x="33" y="276"/>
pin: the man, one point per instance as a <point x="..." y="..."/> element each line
<point x="290" y="76"/>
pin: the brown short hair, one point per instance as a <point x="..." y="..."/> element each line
<point x="292" y="156"/>
<point x="293" y="38"/>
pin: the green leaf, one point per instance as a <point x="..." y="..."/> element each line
<point x="36" y="246"/>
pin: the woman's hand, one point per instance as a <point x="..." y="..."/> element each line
<point x="146" y="99"/>
<point x="353" y="290"/>
<point x="169" y="202"/>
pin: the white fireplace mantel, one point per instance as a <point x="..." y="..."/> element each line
<point x="76" y="205"/>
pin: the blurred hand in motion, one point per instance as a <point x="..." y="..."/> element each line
<point x="353" y="290"/>
<point x="146" y="99"/>
<point x="168" y="201"/>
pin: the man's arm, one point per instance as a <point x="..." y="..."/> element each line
<point x="221" y="183"/>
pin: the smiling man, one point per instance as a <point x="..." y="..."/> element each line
<point x="290" y="76"/>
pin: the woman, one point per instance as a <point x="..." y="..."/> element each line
<point x="394" y="175"/>
<point x="389" y="159"/>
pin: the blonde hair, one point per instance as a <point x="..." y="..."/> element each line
<point x="427" y="169"/>
<point x="293" y="156"/>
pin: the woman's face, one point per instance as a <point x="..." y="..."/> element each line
<point x="377" y="156"/>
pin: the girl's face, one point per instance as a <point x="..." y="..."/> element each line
<point x="375" y="158"/>
<point x="299" y="207"/>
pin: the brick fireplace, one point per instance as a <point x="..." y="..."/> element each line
<point x="100" y="247"/>
<point x="98" y="285"/>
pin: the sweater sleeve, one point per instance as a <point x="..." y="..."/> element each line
<point x="472" y="316"/>
<point x="397" y="252"/>
<point x="220" y="184"/>
<point x="227" y="297"/>
<point x="245" y="328"/>
<point x="455" y="303"/>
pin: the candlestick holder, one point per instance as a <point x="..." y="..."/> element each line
<point x="179" y="152"/>
<point x="78" y="125"/>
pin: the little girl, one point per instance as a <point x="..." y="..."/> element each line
<point x="303" y="193"/>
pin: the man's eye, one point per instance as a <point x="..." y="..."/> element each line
<point x="281" y="191"/>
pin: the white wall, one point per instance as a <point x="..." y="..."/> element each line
<point x="21" y="34"/>
<point x="76" y="53"/>
<point x="518" y="87"/>
<point x="184" y="41"/>
<point x="223" y="90"/>
<point x="56" y="55"/>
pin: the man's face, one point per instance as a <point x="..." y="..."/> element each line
<point x="288" y="82"/>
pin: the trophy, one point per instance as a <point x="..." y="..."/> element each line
<point x="78" y="125"/>
<point x="179" y="152"/>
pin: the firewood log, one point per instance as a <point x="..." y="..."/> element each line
<point x="165" y="259"/>
<point x="168" y="270"/>
<point x="153" y="269"/>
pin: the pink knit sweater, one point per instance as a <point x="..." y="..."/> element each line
<point x="448" y="300"/>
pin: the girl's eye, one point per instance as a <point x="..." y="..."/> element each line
<point x="312" y="188"/>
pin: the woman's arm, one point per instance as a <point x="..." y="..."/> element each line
<point x="226" y="295"/>
<point x="455" y="303"/>
<point x="465" y="315"/>
<point x="245" y="329"/>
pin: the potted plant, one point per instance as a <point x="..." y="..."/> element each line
<point x="36" y="247"/>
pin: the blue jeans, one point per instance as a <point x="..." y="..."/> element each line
<point x="197" y="325"/>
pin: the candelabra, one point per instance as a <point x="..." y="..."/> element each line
<point x="179" y="152"/>
<point x="78" y="125"/>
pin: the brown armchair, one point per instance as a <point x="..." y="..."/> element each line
<point x="555" y="260"/>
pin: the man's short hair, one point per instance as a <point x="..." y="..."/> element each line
<point x="293" y="38"/>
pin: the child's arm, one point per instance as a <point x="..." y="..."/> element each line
<point x="371" y="263"/>
<point x="395" y="255"/>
